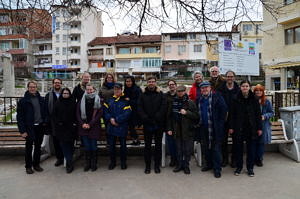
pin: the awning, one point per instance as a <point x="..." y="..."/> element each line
<point x="285" y="65"/>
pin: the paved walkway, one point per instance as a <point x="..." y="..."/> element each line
<point x="278" y="179"/>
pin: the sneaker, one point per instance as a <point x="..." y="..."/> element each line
<point x="186" y="170"/>
<point x="259" y="163"/>
<point x="29" y="171"/>
<point x="147" y="170"/>
<point x="38" y="168"/>
<point x="217" y="174"/>
<point x="157" y="170"/>
<point x="250" y="173"/>
<point x="237" y="172"/>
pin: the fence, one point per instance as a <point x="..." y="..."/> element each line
<point x="8" y="105"/>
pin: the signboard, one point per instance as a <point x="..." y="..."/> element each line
<point x="239" y="56"/>
<point x="59" y="66"/>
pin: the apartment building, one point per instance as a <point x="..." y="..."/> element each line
<point x="281" y="45"/>
<point x="72" y="29"/>
<point x="17" y="28"/>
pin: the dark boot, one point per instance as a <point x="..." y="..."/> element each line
<point x="87" y="164"/>
<point x="94" y="161"/>
<point x="148" y="169"/>
<point x="69" y="167"/>
<point x="123" y="165"/>
<point x="112" y="163"/>
<point x="173" y="162"/>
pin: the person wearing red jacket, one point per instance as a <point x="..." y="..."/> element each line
<point x="194" y="92"/>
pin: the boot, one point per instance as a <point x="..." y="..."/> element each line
<point x="94" y="161"/>
<point x="173" y="162"/>
<point x="69" y="167"/>
<point x="87" y="164"/>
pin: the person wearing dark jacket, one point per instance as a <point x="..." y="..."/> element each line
<point x="212" y="112"/>
<point x="182" y="118"/>
<point x="170" y="140"/>
<point x="31" y="122"/>
<point x="89" y="112"/>
<point x="106" y="91"/>
<point x="117" y="113"/>
<point x="216" y="80"/>
<point x="65" y="125"/>
<point x="50" y="100"/>
<point x="151" y="109"/>
<point x="245" y="125"/>
<point x="132" y="93"/>
<point x="229" y="91"/>
<point x="80" y="88"/>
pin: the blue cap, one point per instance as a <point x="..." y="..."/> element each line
<point x="205" y="84"/>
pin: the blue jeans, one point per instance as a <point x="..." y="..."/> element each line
<point x="67" y="149"/>
<point x="112" y="148"/>
<point x="259" y="149"/>
<point x="89" y="144"/>
<point x="171" y="143"/>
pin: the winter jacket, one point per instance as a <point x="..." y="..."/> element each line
<point x="65" y="119"/>
<point x="119" y="109"/>
<point x="185" y="127"/>
<point x="194" y="92"/>
<point x="25" y="114"/>
<point x="106" y="92"/>
<point x="238" y="119"/>
<point x="49" y="114"/>
<point x="78" y="93"/>
<point x="133" y="93"/>
<point x="216" y="83"/>
<point x="267" y="112"/>
<point x="152" y="108"/>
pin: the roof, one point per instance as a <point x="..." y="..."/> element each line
<point x="253" y="22"/>
<point x="125" y="39"/>
<point x="201" y="32"/>
<point x="8" y="37"/>
<point x="47" y="35"/>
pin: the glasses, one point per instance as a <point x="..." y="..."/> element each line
<point x="172" y="84"/>
<point x="229" y="76"/>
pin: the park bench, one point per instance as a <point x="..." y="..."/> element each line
<point x="288" y="147"/>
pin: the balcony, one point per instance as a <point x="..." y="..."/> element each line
<point x="74" y="56"/>
<point x="43" y="52"/>
<point x="74" y="43"/>
<point x="75" y="31"/>
<point x="20" y="64"/>
<point x="98" y="70"/>
<point x="45" y="65"/>
<point x="139" y="70"/>
<point x="290" y="13"/>
<point x="139" y="55"/>
<point x="95" y="57"/>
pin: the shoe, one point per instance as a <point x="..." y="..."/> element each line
<point x="217" y="174"/>
<point x="87" y="164"/>
<point x="136" y="142"/>
<point x="237" y="172"/>
<point x="29" y="171"/>
<point x="123" y="166"/>
<point x="186" y="170"/>
<point x="157" y="170"/>
<point x="38" y="168"/>
<point x="111" y="166"/>
<point x="259" y="163"/>
<point x="177" y="169"/>
<point x="69" y="167"/>
<point x="173" y="162"/>
<point x="147" y="170"/>
<point x="94" y="161"/>
<point x="250" y="173"/>
<point x="206" y="169"/>
<point x="59" y="162"/>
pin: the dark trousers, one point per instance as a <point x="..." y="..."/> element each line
<point x="112" y="148"/>
<point x="67" y="149"/>
<point x="57" y="147"/>
<point x="37" y="141"/>
<point x="184" y="151"/>
<point x="171" y="143"/>
<point x="259" y="149"/>
<point x="89" y="143"/>
<point x="132" y="131"/>
<point x="250" y="143"/>
<point x="148" y="135"/>
<point x="212" y="152"/>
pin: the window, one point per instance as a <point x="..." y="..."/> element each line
<point x="3" y="18"/>
<point x="178" y="37"/>
<point x="197" y="48"/>
<point x="57" y="50"/>
<point x="64" y="62"/>
<point x="181" y="49"/>
<point x="193" y="36"/>
<point x="23" y="43"/>
<point x="3" y="31"/>
<point x="124" y="50"/>
<point x="74" y="38"/>
<point x="64" y="51"/>
<point x="247" y="27"/>
<point x="57" y="62"/>
<point x="57" y="13"/>
<point x="292" y="35"/>
<point x="65" y="26"/>
<point x="168" y="49"/>
<point x="4" y="45"/>
<point x="286" y="2"/>
<point x="57" y="38"/>
<point x="109" y="51"/>
<point x="259" y="41"/>
<point x="151" y="63"/>
<point x="150" y="50"/>
<point x="15" y="44"/>
<point x="137" y="50"/>
<point x="65" y="37"/>
<point x="57" y="25"/>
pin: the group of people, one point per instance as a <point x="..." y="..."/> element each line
<point x="210" y="112"/>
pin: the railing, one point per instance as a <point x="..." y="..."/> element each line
<point x="8" y="109"/>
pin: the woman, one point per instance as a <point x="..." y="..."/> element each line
<point x="266" y="114"/>
<point x="107" y="89"/>
<point x="89" y="111"/>
<point x="65" y="125"/>
<point x="245" y="125"/>
<point x="132" y="93"/>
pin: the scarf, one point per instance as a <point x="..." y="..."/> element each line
<point x="209" y="115"/>
<point x="85" y="96"/>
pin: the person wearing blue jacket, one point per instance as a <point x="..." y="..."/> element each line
<point x="266" y="113"/>
<point x="117" y="114"/>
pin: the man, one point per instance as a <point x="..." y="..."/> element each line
<point x="80" y="88"/>
<point x="117" y="113"/>
<point x="182" y="118"/>
<point x="171" y="143"/>
<point x="50" y="100"/>
<point x="195" y="89"/>
<point x="31" y="118"/>
<point x="151" y="109"/>
<point x="212" y="111"/>
<point x="229" y="91"/>
<point x="216" y="80"/>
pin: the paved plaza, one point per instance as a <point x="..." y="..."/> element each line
<point x="278" y="179"/>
